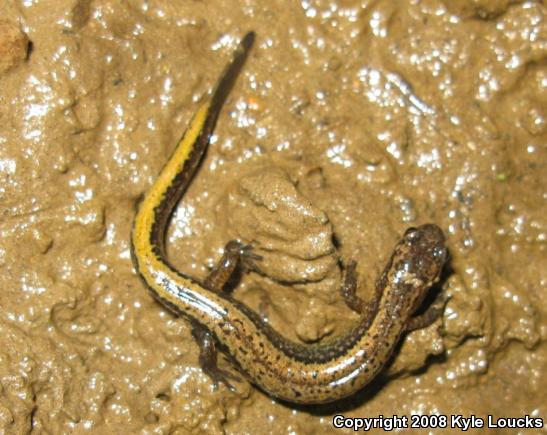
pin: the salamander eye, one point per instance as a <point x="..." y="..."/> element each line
<point x="411" y="232"/>
<point x="440" y="252"/>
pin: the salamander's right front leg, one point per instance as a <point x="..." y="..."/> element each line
<point x="208" y="358"/>
<point x="434" y="312"/>
<point x="235" y="253"/>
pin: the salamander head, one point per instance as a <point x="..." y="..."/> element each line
<point x="426" y="250"/>
<point x="417" y="263"/>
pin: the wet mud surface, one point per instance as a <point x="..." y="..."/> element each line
<point x="351" y="122"/>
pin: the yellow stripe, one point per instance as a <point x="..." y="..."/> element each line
<point x="145" y="216"/>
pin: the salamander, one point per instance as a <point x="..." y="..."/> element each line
<point x="291" y="371"/>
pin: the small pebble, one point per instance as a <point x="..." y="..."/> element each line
<point x="13" y="45"/>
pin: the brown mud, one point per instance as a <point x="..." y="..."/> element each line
<point x="351" y="121"/>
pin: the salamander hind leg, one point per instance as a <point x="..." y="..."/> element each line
<point x="208" y="358"/>
<point x="235" y="253"/>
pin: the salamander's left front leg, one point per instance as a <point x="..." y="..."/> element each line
<point x="349" y="289"/>
<point x="208" y="358"/>
<point x="235" y="253"/>
<point x="349" y="292"/>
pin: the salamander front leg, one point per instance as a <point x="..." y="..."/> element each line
<point x="354" y="302"/>
<point x="235" y="253"/>
<point x="208" y="358"/>
<point x="431" y="314"/>
<point x="349" y="288"/>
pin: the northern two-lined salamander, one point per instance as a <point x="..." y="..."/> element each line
<point x="303" y="373"/>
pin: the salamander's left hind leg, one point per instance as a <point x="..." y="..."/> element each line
<point x="235" y="253"/>
<point x="208" y="358"/>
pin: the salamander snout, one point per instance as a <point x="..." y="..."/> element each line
<point x="427" y="250"/>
